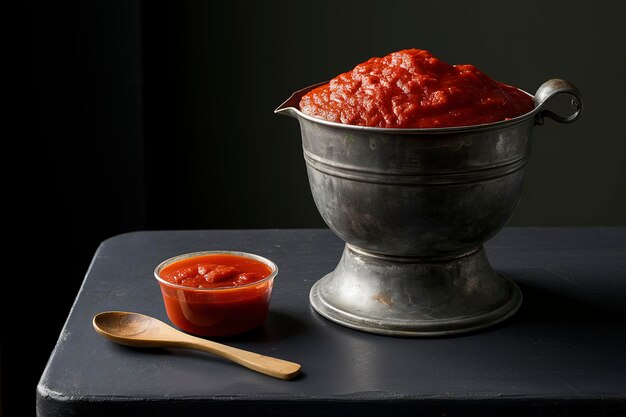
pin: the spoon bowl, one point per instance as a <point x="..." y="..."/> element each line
<point x="139" y="330"/>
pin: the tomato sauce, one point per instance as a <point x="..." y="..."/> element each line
<point x="414" y="89"/>
<point x="215" y="270"/>
<point x="216" y="294"/>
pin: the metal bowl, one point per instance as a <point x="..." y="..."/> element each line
<point x="415" y="207"/>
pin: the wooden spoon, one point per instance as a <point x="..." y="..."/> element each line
<point x="134" y="329"/>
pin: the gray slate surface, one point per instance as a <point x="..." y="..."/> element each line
<point x="563" y="353"/>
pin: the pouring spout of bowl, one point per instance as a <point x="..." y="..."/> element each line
<point x="291" y="105"/>
<point x="286" y="109"/>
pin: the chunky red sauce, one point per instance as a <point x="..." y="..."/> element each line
<point x="414" y="89"/>
<point x="223" y="294"/>
<point x="212" y="271"/>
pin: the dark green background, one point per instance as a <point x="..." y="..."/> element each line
<point x="149" y="115"/>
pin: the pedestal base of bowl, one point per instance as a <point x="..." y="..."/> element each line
<point x="415" y="296"/>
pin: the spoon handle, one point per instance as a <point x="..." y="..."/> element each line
<point x="267" y="365"/>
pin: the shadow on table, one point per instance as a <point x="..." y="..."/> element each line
<point x="278" y="326"/>
<point x="549" y="305"/>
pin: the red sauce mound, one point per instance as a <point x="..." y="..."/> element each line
<point x="414" y="89"/>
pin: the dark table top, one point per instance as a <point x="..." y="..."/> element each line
<point x="562" y="353"/>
